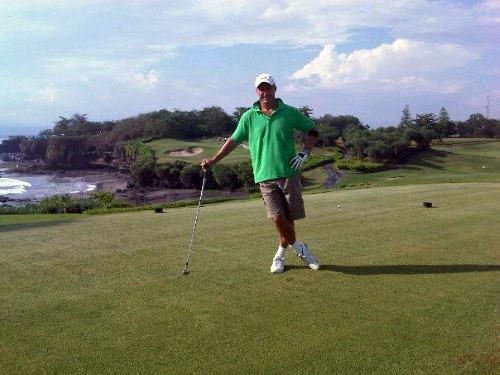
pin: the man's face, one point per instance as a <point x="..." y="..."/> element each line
<point x="266" y="93"/>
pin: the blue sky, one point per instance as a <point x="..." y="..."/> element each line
<point x="112" y="59"/>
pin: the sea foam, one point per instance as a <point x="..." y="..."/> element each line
<point x="13" y="186"/>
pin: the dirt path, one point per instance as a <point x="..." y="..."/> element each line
<point x="334" y="176"/>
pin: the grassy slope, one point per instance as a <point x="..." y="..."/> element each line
<point x="454" y="161"/>
<point x="403" y="290"/>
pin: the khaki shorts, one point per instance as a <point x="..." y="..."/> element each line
<point x="283" y="197"/>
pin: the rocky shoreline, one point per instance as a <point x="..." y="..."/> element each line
<point x="116" y="182"/>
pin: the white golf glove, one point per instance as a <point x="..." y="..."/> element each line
<point x="299" y="159"/>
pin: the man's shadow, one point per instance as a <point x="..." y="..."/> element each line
<point x="404" y="269"/>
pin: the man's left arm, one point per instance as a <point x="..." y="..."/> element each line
<point x="311" y="138"/>
<point x="301" y="157"/>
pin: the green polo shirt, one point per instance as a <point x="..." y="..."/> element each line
<point x="270" y="139"/>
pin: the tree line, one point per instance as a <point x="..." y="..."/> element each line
<point x="76" y="141"/>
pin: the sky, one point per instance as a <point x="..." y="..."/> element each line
<point x="112" y="59"/>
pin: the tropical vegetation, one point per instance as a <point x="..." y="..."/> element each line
<point x="129" y="144"/>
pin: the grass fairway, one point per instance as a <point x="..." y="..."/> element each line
<point x="403" y="289"/>
<point x="210" y="146"/>
<point x="457" y="160"/>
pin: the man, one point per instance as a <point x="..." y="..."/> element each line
<point x="268" y="127"/>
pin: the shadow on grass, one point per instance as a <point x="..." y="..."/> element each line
<point x="33" y="225"/>
<point x="405" y="269"/>
<point x="412" y="168"/>
<point x="428" y="159"/>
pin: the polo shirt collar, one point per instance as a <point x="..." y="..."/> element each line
<point x="279" y="105"/>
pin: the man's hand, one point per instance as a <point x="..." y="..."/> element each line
<point x="206" y="163"/>
<point x="226" y="149"/>
<point x="299" y="159"/>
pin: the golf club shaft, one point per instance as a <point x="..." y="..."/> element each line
<point x="195" y="223"/>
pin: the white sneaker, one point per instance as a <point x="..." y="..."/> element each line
<point x="278" y="265"/>
<point x="306" y="256"/>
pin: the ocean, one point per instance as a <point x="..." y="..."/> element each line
<point x="35" y="187"/>
<point x="26" y="187"/>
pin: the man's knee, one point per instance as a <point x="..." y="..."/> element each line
<point x="280" y="219"/>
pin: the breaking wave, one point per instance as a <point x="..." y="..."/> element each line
<point x="13" y="186"/>
<point x="40" y="186"/>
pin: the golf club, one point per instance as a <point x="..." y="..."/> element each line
<point x="185" y="270"/>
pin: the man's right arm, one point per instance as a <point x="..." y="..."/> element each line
<point x="226" y="149"/>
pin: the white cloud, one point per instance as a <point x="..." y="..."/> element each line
<point x="403" y="63"/>
<point x="493" y="4"/>
<point x="46" y="95"/>
<point x="117" y="54"/>
<point x="147" y="81"/>
<point x="225" y="22"/>
<point x="88" y="69"/>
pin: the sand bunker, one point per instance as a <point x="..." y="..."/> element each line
<point x="187" y="152"/>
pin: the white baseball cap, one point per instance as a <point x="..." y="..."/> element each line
<point x="264" y="78"/>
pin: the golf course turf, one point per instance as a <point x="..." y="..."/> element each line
<point x="403" y="289"/>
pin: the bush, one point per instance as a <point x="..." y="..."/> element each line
<point x="104" y="197"/>
<point x="359" y="165"/>
<point x="225" y="177"/>
<point x="168" y="175"/>
<point x="68" y="204"/>
<point x="65" y="203"/>
<point x="246" y="177"/>
<point x="379" y="151"/>
<point x="400" y="149"/>
<point x="315" y="161"/>
<point x="191" y="177"/>
<point x="143" y="163"/>
<point x="421" y="139"/>
<point x="27" y="209"/>
<point x="107" y="200"/>
<point x="66" y="152"/>
<point x="33" y="148"/>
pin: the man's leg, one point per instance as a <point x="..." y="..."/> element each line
<point x="283" y="202"/>
<point x="286" y="230"/>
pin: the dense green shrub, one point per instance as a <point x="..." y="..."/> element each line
<point x="26" y="209"/>
<point x="379" y="151"/>
<point x="34" y="148"/>
<point x="400" y="149"/>
<point x="191" y="177"/>
<point x="65" y="203"/>
<point x="356" y="140"/>
<point x="317" y="160"/>
<point x="104" y="197"/>
<point x="68" y="152"/>
<point x="220" y="176"/>
<point x="142" y="160"/>
<point x="168" y="174"/>
<point x="359" y="165"/>
<point x="107" y="200"/>
<point x="419" y="139"/>
<point x="225" y="177"/>
<point x="246" y="177"/>
<point x="12" y="144"/>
